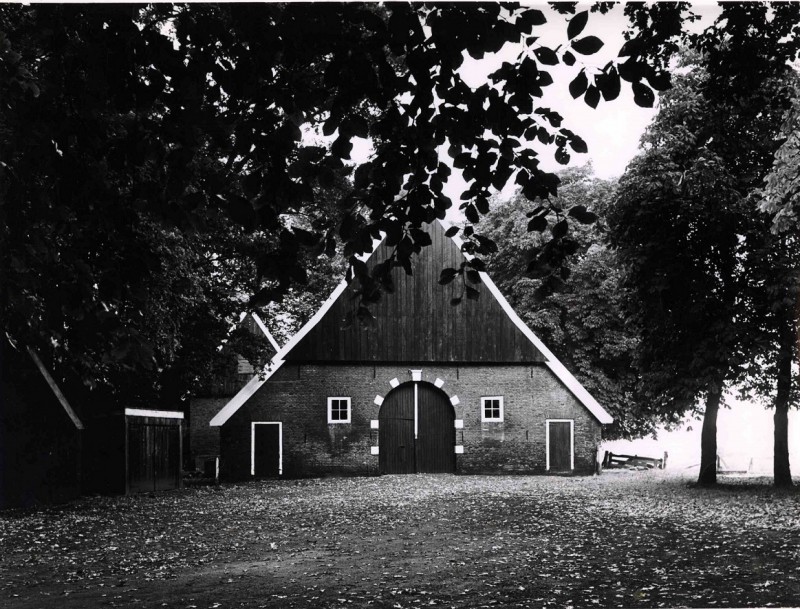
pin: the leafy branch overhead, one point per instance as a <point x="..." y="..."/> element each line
<point x="187" y="114"/>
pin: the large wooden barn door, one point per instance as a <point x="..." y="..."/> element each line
<point x="559" y="445"/>
<point x="436" y="437"/>
<point x="416" y="431"/>
<point x="396" y="432"/>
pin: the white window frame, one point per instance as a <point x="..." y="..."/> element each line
<point x="331" y="421"/>
<point x="499" y="419"/>
<point x="571" y="441"/>
<point x="253" y="445"/>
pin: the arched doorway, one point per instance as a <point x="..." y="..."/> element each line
<point x="417" y="431"/>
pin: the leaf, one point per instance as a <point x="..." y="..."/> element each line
<point x="263" y="297"/>
<point x="252" y="183"/>
<point x="643" y="95"/>
<point x="631" y="47"/>
<point x="659" y="81"/>
<point x="421" y="237"/>
<point x="447" y="275"/>
<point x="330" y="126"/>
<point x="631" y="70"/>
<point x="478" y="265"/>
<point x="472" y="293"/>
<point x="546" y="56"/>
<point x="568" y="58"/>
<point x="487" y="244"/>
<point x="305" y="237"/>
<point x="582" y="215"/>
<point x="609" y="84"/>
<point x="588" y="45"/>
<point x="359" y="126"/>
<point x="578" y="144"/>
<point x="451" y="232"/>
<point x="578" y="85"/>
<point x="577" y="23"/>
<point x="455" y="301"/>
<point x="531" y="17"/>
<point x="342" y="147"/>
<point x="538" y="224"/>
<point x="592" y="97"/>
<point x="560" y="229"/>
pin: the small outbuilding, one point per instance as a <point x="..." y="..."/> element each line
<point x="428" y="386"/>
<point x="134" y="451"/>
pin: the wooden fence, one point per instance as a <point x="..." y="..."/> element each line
<point x="612" y="461"/>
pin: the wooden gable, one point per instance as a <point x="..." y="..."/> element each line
<point x="417" y="323"/>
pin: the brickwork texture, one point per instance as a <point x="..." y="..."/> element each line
<point x="296" y="395"/>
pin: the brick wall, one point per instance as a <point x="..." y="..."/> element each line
<point x="203" y="440"/>
<point x="297" y="396"/>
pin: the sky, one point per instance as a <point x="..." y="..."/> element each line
<point x="613" y="129"/>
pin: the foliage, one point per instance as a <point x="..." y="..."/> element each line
<point x="581" y="317"/>
<point x="119" y="120"/>
<point x="781" y="196"/>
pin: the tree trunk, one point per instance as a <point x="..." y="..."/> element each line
<point x="781" y="472"/>
<point x="708" y="441"/>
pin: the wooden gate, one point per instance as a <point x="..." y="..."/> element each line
<point x="416" y="431"/>
<point x="154" y="454"/>
<point x="559" y="446"/>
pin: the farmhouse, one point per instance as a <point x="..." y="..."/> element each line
<point x="428" y="387"/>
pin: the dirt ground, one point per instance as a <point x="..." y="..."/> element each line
<point x="622" y="539"/>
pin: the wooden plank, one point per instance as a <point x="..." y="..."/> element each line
<point x="396" y="432"/>
<point x="55" y="389"/>
<point x="560" y="445"/>
<point x="437" y="434"/>
<point x="417" y="323"/>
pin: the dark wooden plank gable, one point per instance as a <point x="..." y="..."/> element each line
<point x="417" y="323"/>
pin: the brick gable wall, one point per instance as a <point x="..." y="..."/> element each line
<point x="297" y="396"/>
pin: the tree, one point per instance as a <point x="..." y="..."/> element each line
<point x="581" y="317"/>
<point x="696" y="246"/>
<point x="781" y="195"/>
<point x="124" y="124"/>
<point x="780" y="199"/>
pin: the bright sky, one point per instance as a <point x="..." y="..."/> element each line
<point x="612" y="130"/>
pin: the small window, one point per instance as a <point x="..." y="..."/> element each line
<point x="338" y="410"/>
<point x="492" y="408"/>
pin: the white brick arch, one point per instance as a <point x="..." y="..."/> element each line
<point x="417" y="376"/>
